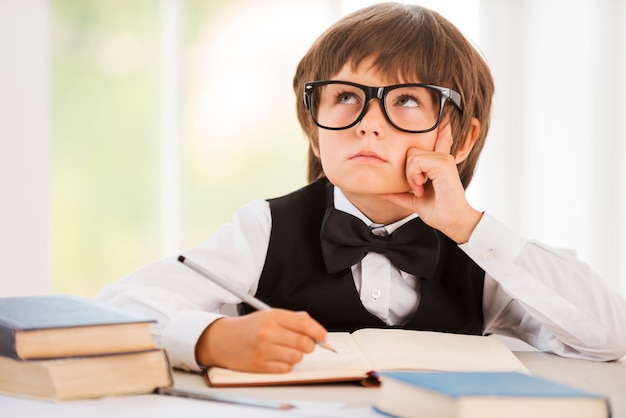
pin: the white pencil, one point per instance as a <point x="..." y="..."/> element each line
<point x="249" y="299"/>
<point x="219" y="397"/>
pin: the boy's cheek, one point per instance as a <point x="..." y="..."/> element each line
<point x="423" y="142"/>
<point x="396" y="183"/>
<point x="400" y="187"/>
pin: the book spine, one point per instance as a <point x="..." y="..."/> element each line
<point x="7" y="342"/>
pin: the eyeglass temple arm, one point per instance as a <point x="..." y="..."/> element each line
<point x="456" y="98"/>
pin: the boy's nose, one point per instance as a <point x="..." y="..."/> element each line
<point x="373" y="120"/>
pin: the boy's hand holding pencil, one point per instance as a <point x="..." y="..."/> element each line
<point x="270" y="341"/>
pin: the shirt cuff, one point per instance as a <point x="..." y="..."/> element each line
<point x="493" y="245"/>
<point x="181" y="334"/>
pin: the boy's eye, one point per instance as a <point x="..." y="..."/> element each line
<point x="407" y="101"/>
<point x="347" y="98"/>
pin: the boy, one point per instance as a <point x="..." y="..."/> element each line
<point x="395" y="103"/>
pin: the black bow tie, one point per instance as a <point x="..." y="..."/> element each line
<point x="413" y="248"/>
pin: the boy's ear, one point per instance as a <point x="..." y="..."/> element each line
<point x="470" y="139"/>
<point x="315" y="148"/>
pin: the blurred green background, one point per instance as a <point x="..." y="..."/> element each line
<point x="239" y="135"/>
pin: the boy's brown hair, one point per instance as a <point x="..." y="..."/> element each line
<point x="408" y="43"/>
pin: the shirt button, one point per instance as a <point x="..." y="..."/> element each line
<point x="488" y="254"/>
<point x="376" y="293"/>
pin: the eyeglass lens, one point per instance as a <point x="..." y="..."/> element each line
<point x="412" y="108"/>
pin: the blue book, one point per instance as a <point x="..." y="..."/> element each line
<point x="484" y="395"/>
<point x="53" y="326"/>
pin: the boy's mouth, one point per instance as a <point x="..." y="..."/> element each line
<point x="367" y="156"/>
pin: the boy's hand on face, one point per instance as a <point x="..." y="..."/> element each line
<point x="437" y="194"/>
<point x="270" y="341"/>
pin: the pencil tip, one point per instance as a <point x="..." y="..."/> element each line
<point x="327" y="347"/>
<point x="181" y="258"/>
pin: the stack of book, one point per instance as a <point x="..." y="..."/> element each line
<point x="62" y="347"/>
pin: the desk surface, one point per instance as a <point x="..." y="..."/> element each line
<point x="338" y="400"/>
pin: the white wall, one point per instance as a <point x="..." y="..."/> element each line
<point x="553" y="166"/>
<point x="24" y="147"/>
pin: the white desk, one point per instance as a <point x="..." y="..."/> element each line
<point x="339" y="400"/>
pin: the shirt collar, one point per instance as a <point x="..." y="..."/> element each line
<point x="343" y="204"/>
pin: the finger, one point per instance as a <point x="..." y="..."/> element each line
<point x="416" y="171"/>
<point x="273" y="359"/>
<point x="272" y="367"/>
<point x="417" y="181"/>
<point x="295" y="330"/>
<point x="302" y="325"/>
<point x="444" y="136"/>
<point x="281" y="357"/>
<point x="295" y="340"/>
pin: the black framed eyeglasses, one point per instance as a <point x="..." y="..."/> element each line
<point x="410" y="107"/>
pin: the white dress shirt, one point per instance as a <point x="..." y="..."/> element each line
<point x="533" y="292"/>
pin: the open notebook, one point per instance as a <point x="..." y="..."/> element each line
<point x="373" y="350"/>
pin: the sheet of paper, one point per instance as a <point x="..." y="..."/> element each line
<point x="401" y="349"/>
<point x="348" y="355"/>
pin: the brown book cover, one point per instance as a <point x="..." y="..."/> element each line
<point x="86" y="377"/>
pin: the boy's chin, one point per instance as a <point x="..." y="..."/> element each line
<point x="371" y="187"/>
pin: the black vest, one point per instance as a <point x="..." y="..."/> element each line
<point x="294" y="275"/>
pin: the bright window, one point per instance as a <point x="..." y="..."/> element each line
<point x="236" y="136"/>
